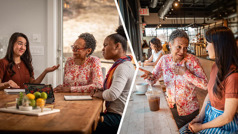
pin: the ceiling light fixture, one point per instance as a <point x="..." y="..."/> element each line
<point x="176" y="4"/>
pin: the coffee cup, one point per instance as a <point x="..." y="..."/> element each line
<point x="141" y="87"/>
<point x="153" y="99"/>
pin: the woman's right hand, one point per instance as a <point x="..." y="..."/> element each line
<point x="12" y="84"/>
<point x="197" y="119"/>
<point x="147" y="74"/>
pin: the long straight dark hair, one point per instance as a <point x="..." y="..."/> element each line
<point x="26" y="57"/>
<point x="226" y="54"/>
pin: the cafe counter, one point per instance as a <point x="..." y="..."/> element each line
<point x="139" y="119"/>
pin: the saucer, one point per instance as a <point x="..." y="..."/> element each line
<point x="139" y="93"/>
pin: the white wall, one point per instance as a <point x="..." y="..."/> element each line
<point x="28" y="17"/>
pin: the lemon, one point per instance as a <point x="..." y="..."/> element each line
<point x="44" y="95"/>
<point x="40" y="102"/>
<point x="30" y="96"/>
<point x="37" y="94"/>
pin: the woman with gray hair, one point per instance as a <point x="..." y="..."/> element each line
<point x="82" y="72"/>
<point x="182" y="72"/>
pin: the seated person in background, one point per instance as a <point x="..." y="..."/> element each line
<point x="165" y="47"/>
<point x="82" y="72"/>
<point x="157" y="52"/>
<point x="117" y="83"/>
<point x="16" y="67"/>
<point x="219" y="112"/>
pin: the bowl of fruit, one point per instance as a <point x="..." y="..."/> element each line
<point x="31" y="101"/>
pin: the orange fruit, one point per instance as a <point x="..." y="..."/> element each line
<point x="40" y="102"/>
<point x="30" y="96"/>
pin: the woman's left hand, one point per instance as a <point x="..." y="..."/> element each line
<point x="53" y="68"/>
<point x="196" y="127"/>
<point x="180" y="70"/>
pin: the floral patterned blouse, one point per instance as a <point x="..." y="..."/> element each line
<point x="181" y="88"/>
<point x="83" y="78"/>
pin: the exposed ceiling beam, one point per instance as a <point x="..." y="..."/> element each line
<point x="170" y="25"/>
<point x="164" y="9"/>
<point x="153" y="4"/>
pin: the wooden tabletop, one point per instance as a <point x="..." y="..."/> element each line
<point x="140" y="120"/>
<point x="74" y="117"/>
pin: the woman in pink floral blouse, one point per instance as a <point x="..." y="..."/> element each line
<point x="82" y="72"/>
<point x="182" y="72"/>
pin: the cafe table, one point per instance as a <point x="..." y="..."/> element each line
<point x="140" y="120"/>
<point x="74" y="117"/>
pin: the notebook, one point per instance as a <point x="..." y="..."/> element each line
<point x="14" y="91"/>
<point x="72" y="98"/>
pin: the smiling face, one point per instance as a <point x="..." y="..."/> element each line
<point x="109" y="49"/>
<point x="211" y="50"/>
<point x="19" y="47"/>
<point x="79" y="50"/>
<point x="179" y="48"/>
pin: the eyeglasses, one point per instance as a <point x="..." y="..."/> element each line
<point x="75" y="49"/>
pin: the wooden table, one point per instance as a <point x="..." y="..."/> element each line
<point x="74" y="117"/>
<point x="140" y="120"/>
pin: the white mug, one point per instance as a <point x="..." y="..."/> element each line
<point x="141" y="87"/>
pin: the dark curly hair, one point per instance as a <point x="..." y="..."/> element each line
<point x="26" y="57"/>
<point x="90" y="41"/>
<point x="157" y="43"/>
<point x="120" y="37"/>
<point x="178" y="33"/>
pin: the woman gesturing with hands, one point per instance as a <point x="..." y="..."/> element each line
<point x="182" y="72"/>
<point x="16" y="67"/>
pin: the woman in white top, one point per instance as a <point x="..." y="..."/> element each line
<point x="157" y="52"/>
